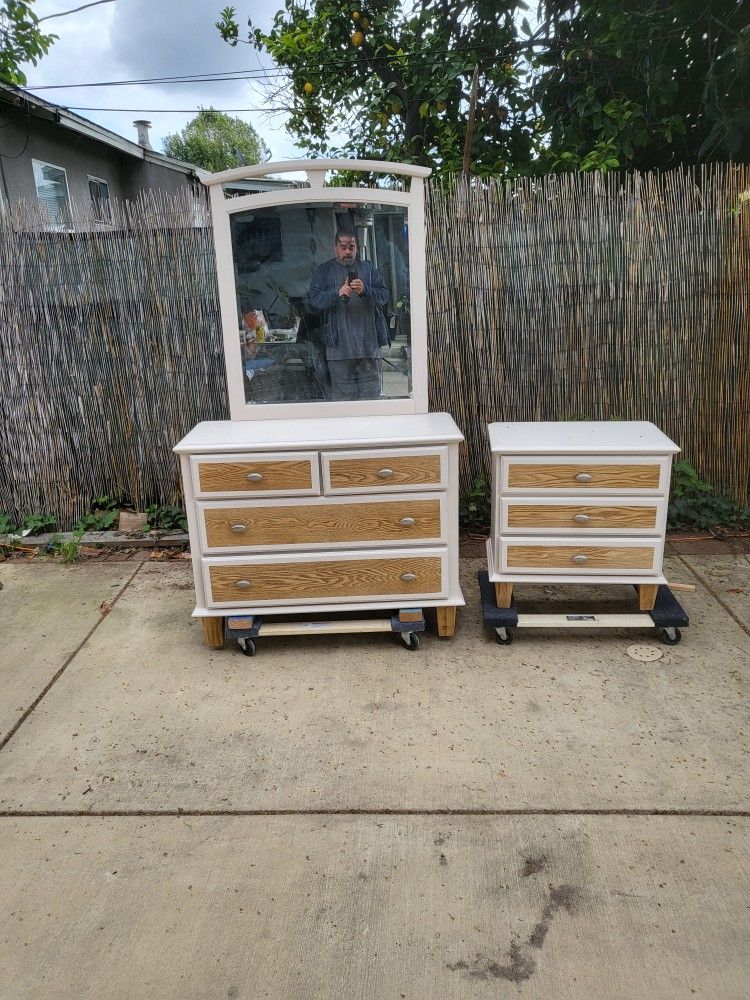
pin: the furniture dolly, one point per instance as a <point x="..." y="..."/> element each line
<point x="579" y="502"/>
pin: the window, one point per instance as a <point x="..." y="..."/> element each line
<point x="99" y="191"/>
<point x="52" y="192"/>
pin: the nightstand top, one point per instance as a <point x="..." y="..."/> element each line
<point x="595" y="437"/>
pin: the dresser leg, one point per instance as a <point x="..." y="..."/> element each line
<point x="503" y="594"/>
<point x="647" y="596"/>
<point x="446" y="621"/>
<point x="213" y="632"/>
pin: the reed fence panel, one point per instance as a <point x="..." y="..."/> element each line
<point x="562" y="297"/>
<point x="584" y="296"/>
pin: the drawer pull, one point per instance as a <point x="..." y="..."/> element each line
<point x="255" y="477"/>
<point x="583" y="477"/>
<point x="385" y="473"/>
<point x="408" y="577"/>
<point x="238" y="528"/>
<point x="582" y="518"/>
<point x="242" y="584"/>
<point x="406" y="522"/>
<point x="580" y="559"/>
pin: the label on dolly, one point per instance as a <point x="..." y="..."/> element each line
<point x="580" y="618"/>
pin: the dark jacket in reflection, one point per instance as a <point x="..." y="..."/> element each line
<point x="357" y="328"/>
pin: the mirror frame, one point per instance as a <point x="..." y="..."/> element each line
<point x="223" y="208"/>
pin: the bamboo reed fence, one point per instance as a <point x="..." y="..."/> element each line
<point x="575" y="296"/>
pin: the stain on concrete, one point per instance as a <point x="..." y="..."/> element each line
<point x="443" y="860"/>
<point x="519" y="963"/>
<point x="534" y="865"/>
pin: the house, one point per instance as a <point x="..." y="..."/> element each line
<point x="72" y="166"/>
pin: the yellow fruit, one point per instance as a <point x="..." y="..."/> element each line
<point x="357" y="38"/>
<point x="356" y="15"/>
<point x="308" y="88"/>
<point x="365" y="23"/>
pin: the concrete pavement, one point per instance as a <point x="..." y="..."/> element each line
<point x="342" y="818"/>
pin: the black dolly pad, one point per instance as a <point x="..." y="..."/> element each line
<point x="495" y="617"/>
<point x="668" y="612"/>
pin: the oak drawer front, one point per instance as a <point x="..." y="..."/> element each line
<point x="622" y="556"/>
<point x="333" y="577"/>
<point x="374" y="471"/>
<point x="623" y="474"/>
<point x="288" y="473"/>
<point x="334" y="522"/>
<point x="590" y="516"/>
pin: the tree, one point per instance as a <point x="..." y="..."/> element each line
<point x="394" y="78"/>
<point x="643" y="84"/>
<point x="20" y="40"/>
<point x="216" y="141"/>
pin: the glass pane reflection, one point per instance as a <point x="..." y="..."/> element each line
<point x="323" y="302"/>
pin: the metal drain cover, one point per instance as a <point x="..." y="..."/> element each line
<point x="643" y="653"/>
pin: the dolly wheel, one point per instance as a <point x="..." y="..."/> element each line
<point x="504" y="636"/>
<point x="247" y="646"/>
<point x="671" y="636"/>
<point x="410" y="640"/>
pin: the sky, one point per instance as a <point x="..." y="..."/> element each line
<point x="139" y="39"/>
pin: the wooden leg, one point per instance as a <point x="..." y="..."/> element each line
<point x="446" y="621"/>
<point x="503" y="594"/>
<point x="213" y="632"/>
<point x="647" y="596"/>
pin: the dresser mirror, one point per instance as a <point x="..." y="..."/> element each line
<point x="321" y="290"/>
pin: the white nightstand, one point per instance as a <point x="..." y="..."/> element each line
<point x="580" y="502"/>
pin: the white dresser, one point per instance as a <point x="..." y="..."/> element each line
<point x="578" y="502"/>
<point x="324" y="514"/>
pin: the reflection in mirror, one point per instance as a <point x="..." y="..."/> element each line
<point x="323" y="302"/>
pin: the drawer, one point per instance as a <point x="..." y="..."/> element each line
<point x="335" y="521"/>
<point x="622" y="556"/>
<point x="595" y="515"/>
<point x="624" y="474"/>
<point x="374" y="471"/>
<point x="324" y="578"/>
<point x="288" y="473"/>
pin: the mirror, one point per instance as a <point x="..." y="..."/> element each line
<point x="323" y="301"/>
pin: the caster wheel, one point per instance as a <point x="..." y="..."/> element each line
<point x="671" y="636"/>
<point x="410" y="640"/>
<point x="504" y="636"/>
<point x="247" y="646"/>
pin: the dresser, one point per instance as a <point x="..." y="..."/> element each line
<point x="322" y="515"/>
<point x="577" y="502"/>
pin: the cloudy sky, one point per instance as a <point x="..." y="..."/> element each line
<point x="146" y="39"/>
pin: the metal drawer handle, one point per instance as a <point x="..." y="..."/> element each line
<point x="255" y="477"/>
<point x="385" y="473"/>
<point x="406" y="522"/>
<point x="583" y="477"/>
<point x="238" y="528"/>
<point x="580" y="559"/>
<point x="242" y="584"/>
<point x="408" y="577"/>
<point x="582" y="518"/>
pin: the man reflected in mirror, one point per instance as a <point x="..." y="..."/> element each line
<point x="351" y="295"/>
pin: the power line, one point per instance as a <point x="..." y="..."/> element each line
<point x="64" y="13"/>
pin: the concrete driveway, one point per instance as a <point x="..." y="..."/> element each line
<point x="341" y="818"/>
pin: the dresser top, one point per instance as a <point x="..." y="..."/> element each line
<point x="595" y="437"/>
<point x="342" y="432"/>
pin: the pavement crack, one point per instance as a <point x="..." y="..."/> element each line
<point x="104" y="610"/>
<point x="704" y="582"/>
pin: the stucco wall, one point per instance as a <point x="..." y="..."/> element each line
<point x="25" y="139"/>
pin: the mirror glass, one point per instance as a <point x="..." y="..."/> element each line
<point x="322" y="294"/>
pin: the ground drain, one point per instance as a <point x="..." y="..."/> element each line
<point x="643" y="653"/>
